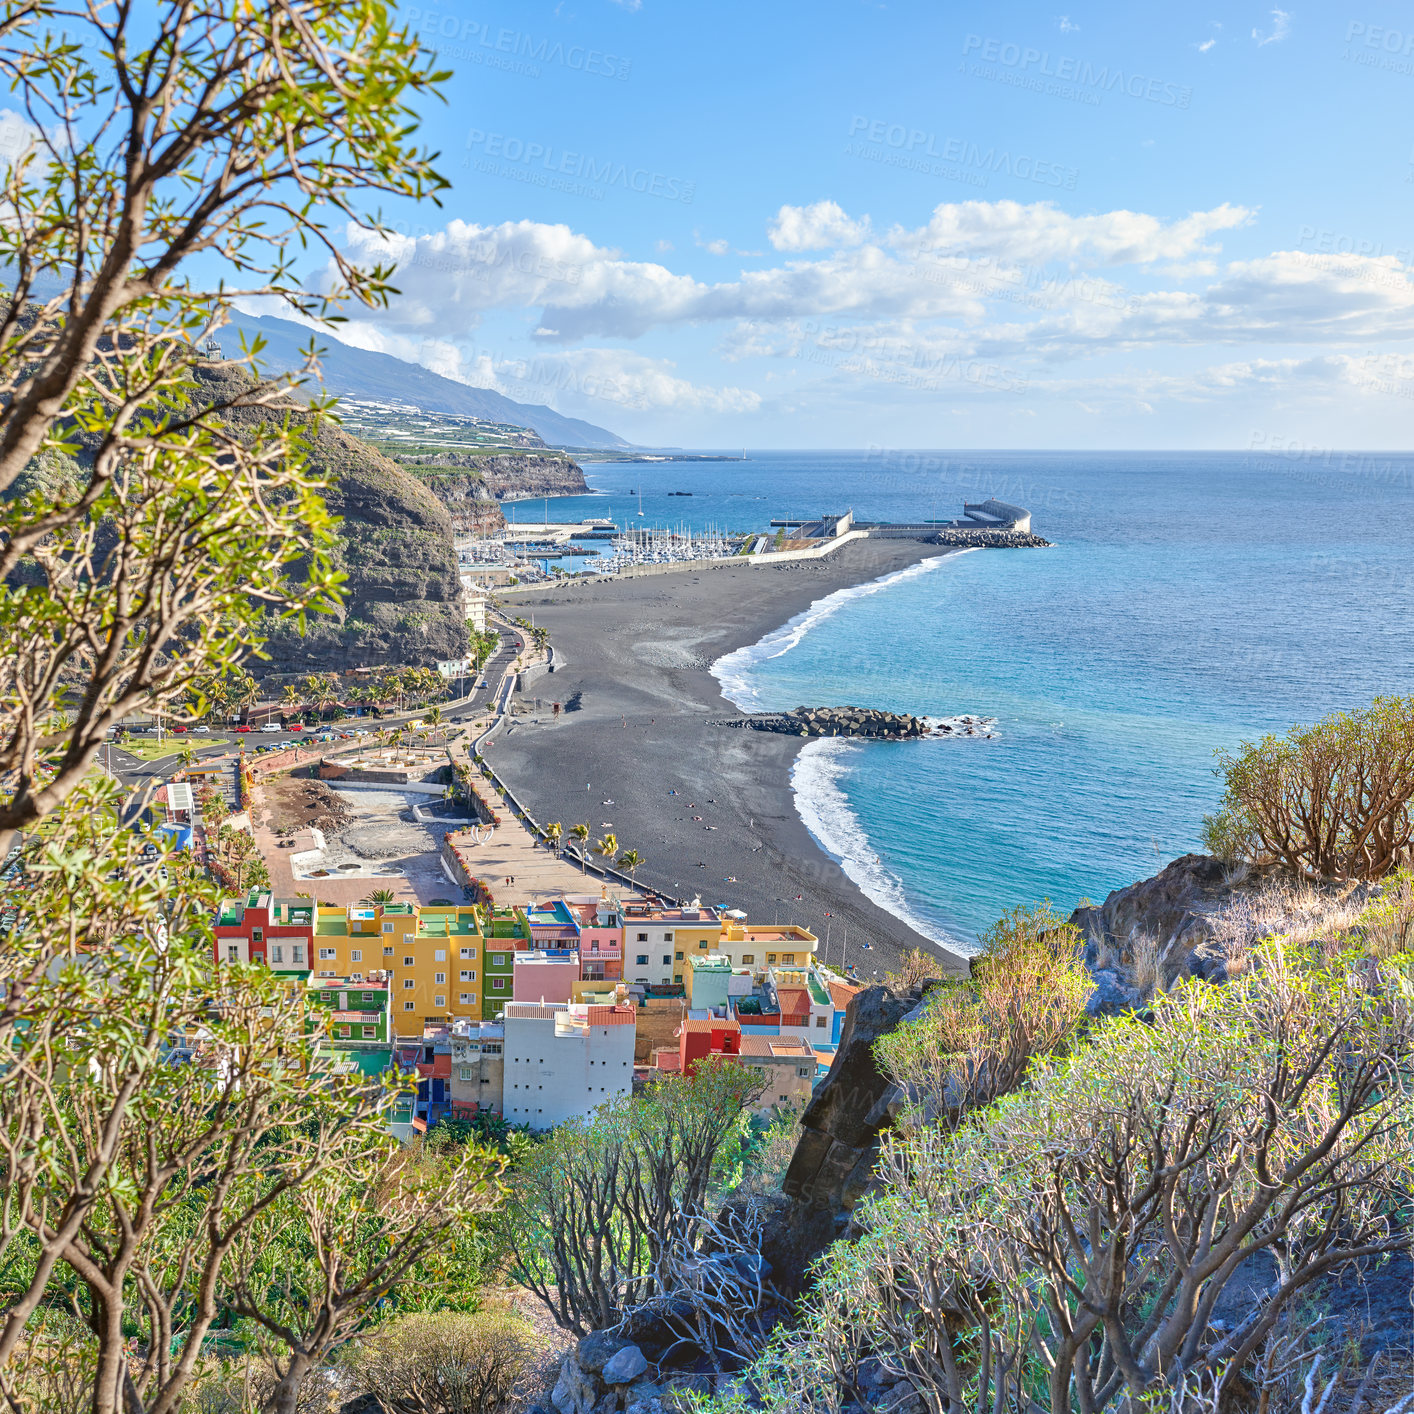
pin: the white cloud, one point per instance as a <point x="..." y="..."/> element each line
<point x="1281" y="27"/>
<point x="615" y="376"/>
<point x="1067" y="26"/>
<point x="1206" y="45"/>
<point x="820" y="226"/>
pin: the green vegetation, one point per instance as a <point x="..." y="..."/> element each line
<point x="148" y="748"/>
<point x="1064" y="1246"/>
<point x="1333" y="801"/>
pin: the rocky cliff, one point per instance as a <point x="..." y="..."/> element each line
<point x="473" y="510"/>
<point x="504" y="476"/>
<point x="402" y="598"/>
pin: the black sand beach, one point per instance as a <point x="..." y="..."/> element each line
<point x="635" y="657"/>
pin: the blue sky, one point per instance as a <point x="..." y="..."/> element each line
<point x="907" y="224"/>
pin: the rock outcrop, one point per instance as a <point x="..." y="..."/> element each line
<point x="839" y="1143"/>
<point x="473" y="510"/>
<point x="503" y="476"/>
<point x="402" y="601"/>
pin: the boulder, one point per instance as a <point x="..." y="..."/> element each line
<point x="1111" y="996"/>
<point x="598" y="1348"/>
<point x="624" y="1366"/>
<point x="365" y="1403"/>
<point x="575" y="1390"/>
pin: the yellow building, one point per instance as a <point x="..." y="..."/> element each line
<point x="761" y="945"/>
<point x="431" y="955"/>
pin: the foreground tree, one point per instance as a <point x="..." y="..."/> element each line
<point x="159" y="1126"/>
<point x="1332" y="801"/>
<point x="193" y="130"/>
<point x="598" y="1215"/>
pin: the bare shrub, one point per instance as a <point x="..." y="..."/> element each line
<point x="1386" y="925"/>
<point x="1334" y="800"/>
<point x="1146" y="965"/>
<point x="444" y="1362"/>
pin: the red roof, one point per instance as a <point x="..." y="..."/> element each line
<point x="794" y="1000"/>
<point x="710" y="1024"/>
<point x="841" y="994"/>
<point x="441" y="1067"/>
<point x="611" y="1016"/>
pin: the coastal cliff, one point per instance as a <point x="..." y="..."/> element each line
<point x="501" y="476"/>
<point x="402" y="596"/>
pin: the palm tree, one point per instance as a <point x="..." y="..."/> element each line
<point x="242" y="691"/>
<point x="555" y="833"/>
<point x="632" y="861"/>
<point x="608" y="847"/>
<point x="581" y="834"/>
<point x="188" y="756"/>
<point x="433" y="718"/>
<point x="380" y="896"/>
<point x="294" y="697"/>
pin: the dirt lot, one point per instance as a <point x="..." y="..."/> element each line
<point x="293" y="803"/>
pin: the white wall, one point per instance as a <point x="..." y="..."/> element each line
<point x="551" y="1078"/>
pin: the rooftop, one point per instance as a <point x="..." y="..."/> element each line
<point x="710" y="962"/>
<point x="707" y="1025"/>
<point x="777" y="1047"/>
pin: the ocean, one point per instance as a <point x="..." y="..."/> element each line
<point x="1192" y="600"/>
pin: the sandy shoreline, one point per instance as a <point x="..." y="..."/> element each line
<point x="636" y="655"/>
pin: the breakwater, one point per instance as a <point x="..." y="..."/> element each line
<point x="834" y="721"/>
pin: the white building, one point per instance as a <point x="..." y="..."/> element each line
<point x="564" y="1060"/>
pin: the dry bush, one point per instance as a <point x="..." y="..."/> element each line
<point x="1281" y="908"/>
<point x="1146" y="966"/>
<point x="444" y="1362"/>
<point x="915" y="969"/>
<point x="1386" y="925"/>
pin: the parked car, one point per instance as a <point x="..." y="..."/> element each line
<point x="271" y="727"/>
<point x="245" y="729"/>
<point x="179" y="729"/>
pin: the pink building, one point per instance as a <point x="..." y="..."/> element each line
<point x="600" y="924"/>
<point x="544" y="975"/>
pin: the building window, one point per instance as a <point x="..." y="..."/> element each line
<point x="491" y="1048"/>
<point x="342" y="1031"/>
<point x="387" y="927"/>
<point x="326" y="997"/>
<point x="498" y="984"/>
<point x="297" y="955"/>
<point x="770" y="957"/>
<point x="439" y="1001"/>
<point x="667" y="959"/>
<point x="328" y="954"/>
<point x="257" y="935"/>
<point x="667" y="937"/>
<point x="702" y="946"/>
<point x="408" y="1006"/>
<point x="643" y="959"/>
<point x="408" y="984"/>
<point x="468" y="974"/>
<point x="387" y="952"/>
<point x="440" y="978"/>
<point x="643" y="937"/>
<point x="747" y="957"/>
<point x="328" y="972"/>
<point x="233" y="952"/>
<point x="368" y="996"/>
<point x="277" y="953"/>
<point x="677" y="977"/>
<point x="468" y="952"/>
<point x="820" y="1022"/>
<point x="466" y="1073"/>
<point x="679" y="957"/>
<point x="803" y="1071"/>
<point x="440" y="955"/>
<point x="408" y="962"/>
<point x="356" y="955"/>
<point x="498" y="959"/>
<point x="788" y="957"/>
<point x="468" y="999"/>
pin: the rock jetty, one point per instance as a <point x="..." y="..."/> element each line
<point x="991" y="539"/>
<point x="835" y="721"/>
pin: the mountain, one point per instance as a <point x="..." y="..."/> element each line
<point x="357" y="373"/>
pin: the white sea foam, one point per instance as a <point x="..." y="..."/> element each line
<point x="822" y="805"/>
<point x="733" y="670"/>
<point x="820" y="800"/>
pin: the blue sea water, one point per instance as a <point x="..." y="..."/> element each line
<point x="1192" y="600"/>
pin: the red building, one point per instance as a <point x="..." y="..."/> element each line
<point x="712" y="1036"/>
<point x="277" y="932"/>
